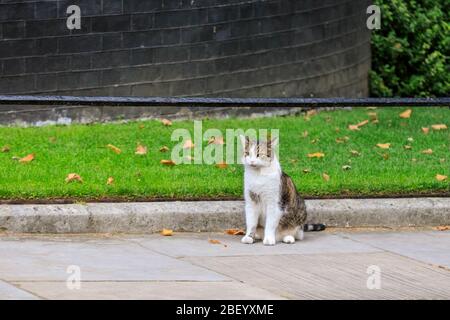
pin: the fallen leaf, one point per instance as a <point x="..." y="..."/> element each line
<point x="216" y="140"/>
<point x="346" y="167"/>
<point x="163" y="149"/>
<point x="27" y="158"/>
<point x="73" y="177"/>
<point x="410" y="139"/>
<point x="325" y="177"/>
<point x="15" y="158"/>
<point x="427" y="151"/>
<point x="306" y="170"/>
<point x="353" y="127"/>
<point x="114" y="148"/>
<point x="5" y="149"/>
<point x="110" y="181"/>
<point x="311" y="112"/>
<point x="222" y="165"/>
<point x="305" y="134"/>
<point x="293" y="160"/>
<point x="167" y="162"/>
<point x="188" y="144"/>
<point x="425" y="130"/>
<point x="235" y="232"/>
<point x="442" y="228"/>
<point x="167" y="232"/>
<point x="340" y="140"/>
<point x="407" y="147"/>
<point x="166" y="122"/>
<point x="141" y="150"/>
<point x="316" y="155"/>
<point x="440" y="177"/>
<point x="313" y="141"/>
<point x="384" y="145"/>
<point x="439" y="127"/>
<point x="442" y="160"/>
<point x="406" y="114"/>
<point x="355" y="153"/>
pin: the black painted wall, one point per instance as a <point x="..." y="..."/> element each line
<point x="186" y="48"/>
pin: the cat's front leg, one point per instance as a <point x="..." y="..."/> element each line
<point x="273" y="215"/>
<point x="251" y="220"/>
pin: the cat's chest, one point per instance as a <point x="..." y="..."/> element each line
<point x="264" y="185"/>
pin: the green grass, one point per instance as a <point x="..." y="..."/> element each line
<point x="61" y="150"/>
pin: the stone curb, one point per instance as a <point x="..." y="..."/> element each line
<point x="193" y="216"/>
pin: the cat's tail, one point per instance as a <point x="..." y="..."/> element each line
<point x="314" y="227"/>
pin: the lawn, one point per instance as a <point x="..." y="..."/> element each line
<point x="372" y="171"/>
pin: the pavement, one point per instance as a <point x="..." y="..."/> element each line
<point x="334" y="264"/>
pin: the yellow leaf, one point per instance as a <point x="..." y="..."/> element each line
<point x="439" y="127"/>
<point x="316" y="155"/>
<point x="235" y="232"/>
<point x="425" y="130"/>
<point x="167" y="232"/>
<point x="222" y="165"/>
<point x="114" y="148"/>
<point x="5" y="149"/>
<point x="440" y="177"/>
<point x="306" y="170"/>
<point x="406" y="114"/>
<point x="73" y="177"/>
<point x="166" y="122"/>
<point x="27" y="158"/>
<point x="214" y="241"/>
<point x="384" y="145"/>
<point x="355" y="153"/>
<point x="110" y="181"/>
<point x="305" y="134"/>
<point x="163" y="149"/>
<point x="188" y="144"/>
<point x="325" y="177"/>
<point x="427" y="151"/>
<point x="167" y="162"/>
<point x="141" y="150"/>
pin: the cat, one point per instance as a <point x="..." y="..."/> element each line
<point x="274" y="210"/>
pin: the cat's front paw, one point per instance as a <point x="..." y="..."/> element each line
<point x="269" y="241"/>
<point x="247" y="240"/>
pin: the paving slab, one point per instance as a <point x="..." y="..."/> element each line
<point x="11" y="292"/>
<point x="197" y="244"/>
<point x="431" y="247"/>
<point x="334" y="276"/>
<point x="150" y="290"/>
<point x="100" y="260"/>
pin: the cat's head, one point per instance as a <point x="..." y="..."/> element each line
<point x="258" y="153"/>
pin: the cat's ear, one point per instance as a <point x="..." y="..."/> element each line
<point x="244" y="140"/>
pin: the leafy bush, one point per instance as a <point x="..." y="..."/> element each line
<point x="411" y="50"/>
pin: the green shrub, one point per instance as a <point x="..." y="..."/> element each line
<point x="411" y="50"/>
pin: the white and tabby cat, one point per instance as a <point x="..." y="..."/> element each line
<point x="274" y="211"/>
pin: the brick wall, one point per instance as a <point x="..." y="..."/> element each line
<point x="271" y="48"/>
